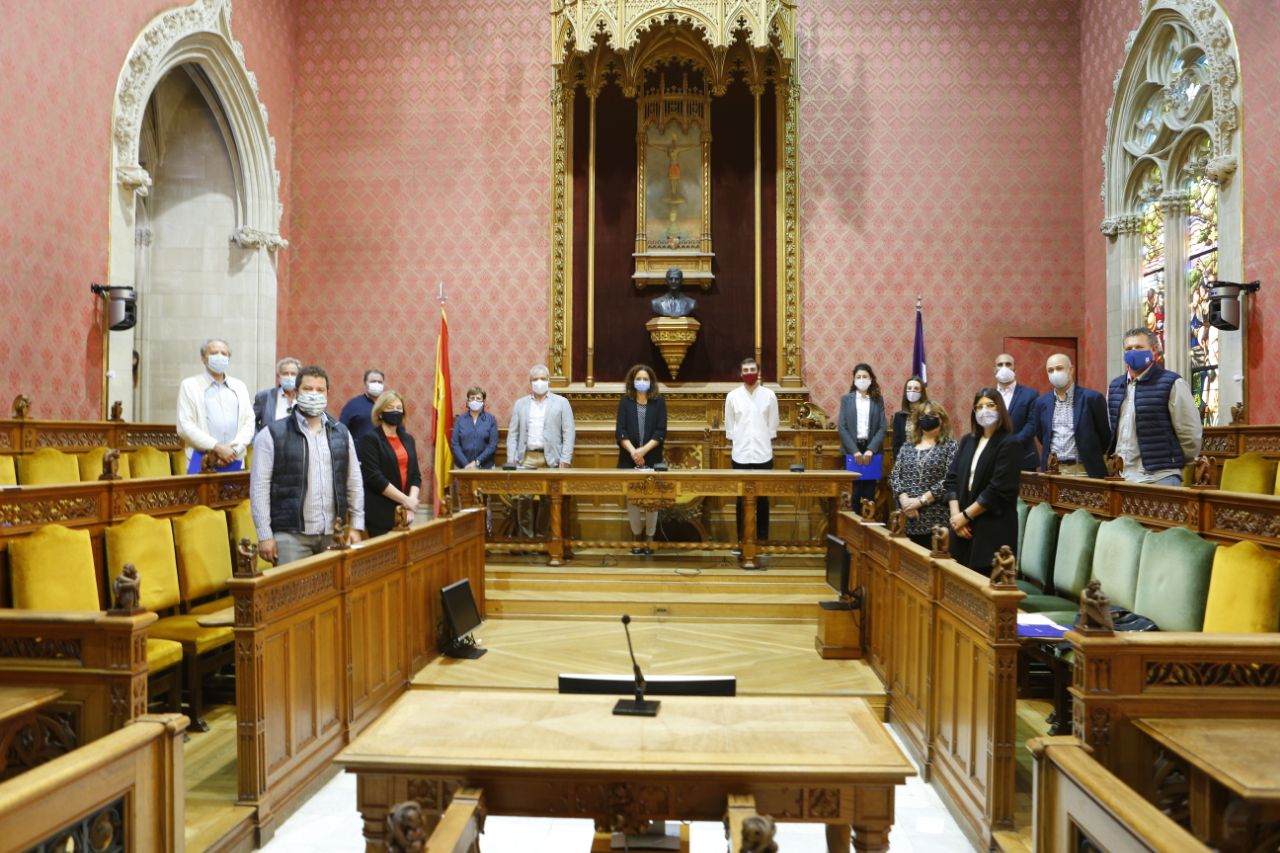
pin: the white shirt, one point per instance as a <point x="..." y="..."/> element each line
<point x="222" y="411"/>
<point x="537" y="418"/>
<point x="1007" y="394"/>
<point x="977" y="452"/>
<point x="863" y="404"/>
<point x="751" y="423"/>
<point x="283" y="404"/>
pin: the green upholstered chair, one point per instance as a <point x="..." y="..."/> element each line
<point x="1173" y="579"/>
<point x="1117" y="552"/>
<point x="1035" y="555"/>
<point x="1072" y="565"/>
<point x="1244" y="591"/>
<point x="1249" y="472"/>
<point x="1024" y="509"/>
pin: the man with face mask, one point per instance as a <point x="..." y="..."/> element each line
<point x="1018" y="399"/>
<point x="305" y="476"/>
<point x="357" y="414"/>
<point x="1071" y="422"/>
<point x="272" y="404"/>
<point x="541" y="432"/>
<point x="215" y="411"/>
<point x="1156" y="428"/>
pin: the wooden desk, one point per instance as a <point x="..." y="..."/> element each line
<point x="656" y="490"/>
<point x="1234" y="785"/>
<point x="818" y="760"/>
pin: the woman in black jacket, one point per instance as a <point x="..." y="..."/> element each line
<point x="389" y="464"/>
<point x="982" y="484"/>
<point x="861" y="425"/>
<point x="641" y="430"/>
<point x="915" y="393"/>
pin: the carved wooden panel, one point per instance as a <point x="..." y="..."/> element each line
<point x="1096" y="499"/>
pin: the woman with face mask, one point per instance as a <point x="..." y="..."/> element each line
<point x="862" y="428"/>
<point x="641" y="430"/>
<point x="475" y="433"/>
<point x="389" y="463"/>
<point x="920" y="471"/>
<point x="914" y="394"/>
<point x="982" y="484"/>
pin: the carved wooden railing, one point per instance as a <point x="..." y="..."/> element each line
<point x="325" y="644"/>
<point x="1225" y="442"/>
<point x="97" y="660"/>
<point x="27" y="436"/>
<point x="1215" y="515"/>
<point x="1122" y="677"/>
<point x="944" y="642"/>
<point x="122" y="792"/>
<point x="1080" y="805"/>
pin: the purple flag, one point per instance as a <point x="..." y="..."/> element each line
<point x="918" y="367"/>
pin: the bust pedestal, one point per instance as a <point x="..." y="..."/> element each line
<point x="673" y="336"/>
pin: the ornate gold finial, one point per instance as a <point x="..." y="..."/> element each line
<point x="110" y="465"/>
<point x="1004" y="568"/>
<point x="1095" y="610"/>
<point x="21" y="407"/>
<point x="406" y="829"/>
<point x="126" y="591"/>
<point x="247" y="558"/>
<point x="941" y="545"/>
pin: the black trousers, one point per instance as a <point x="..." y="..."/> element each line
<point x="762" y="504"/>
<point x="863" y="489"/>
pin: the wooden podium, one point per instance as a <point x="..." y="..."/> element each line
<point x="839" y="634"/>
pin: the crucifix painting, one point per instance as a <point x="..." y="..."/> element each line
<point x="673" y="191"/>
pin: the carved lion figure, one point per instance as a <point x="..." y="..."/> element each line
<point x="406" y="829"/>
<point x="1004" y="567"/>
<point x="757" y="834"/>
<point x="897" y="523"/>
<point x="868" y="510"/>
<point x="1095" y="608"/>
<point x="339" y="542"/>
<point x="110" y="465"/>
<point x="1052" y="467"/>
<point x="941" y="540"/>
<point x="1115" y="467"/>
<point x="117" y="411"/>
<point x="810" y="416"/>
<point x="21" y="407"/>
<point x="1237" y="414"/>
<point x="246" y="558"/>
<point x="126" y="590"/>
<point x="403" y="517"/>
<point x="1204" y="466"/>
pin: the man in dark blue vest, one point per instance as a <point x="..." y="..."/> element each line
<point x="305" y="477"/>
<point x="1155" y="425"/>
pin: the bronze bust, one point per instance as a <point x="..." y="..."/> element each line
<point x="673" y="303"/>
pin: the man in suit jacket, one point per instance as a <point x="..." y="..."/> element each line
<point x="1071" y="422"/>
<point x="272" y="404"/>
<point x="1018" y="399"/>
<point x="541" y="432"/>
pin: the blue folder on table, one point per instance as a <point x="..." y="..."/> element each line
<point x="873" y="470"/>
<point x="197" y="457"/>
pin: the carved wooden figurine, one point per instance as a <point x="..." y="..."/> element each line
<point x="1004" y="568"/>
<point x="208" y="464"/>
<point x="846" y="502"/>
<point x="1095" y="609"/>
<point x="117" y="411"/>
<point x="21" y="407"/>
<point x="941" y="542"/>
<point x="1237" y="414"/>
<point x="403" y="518"/>
<point x="1052" y="467"/>
<point x="897" y="523"/>
<point x="1204" y="466"/>
<point x="868" y="510"/>
<point x="406" y="829"/>
<point x="1115" y="467"/>
<point x="757" y="834"/>
<point x="126" y="590"/>
<point x="339" y="542"/>
<point x="247" y="558"/>
<point x="110" y="465"/>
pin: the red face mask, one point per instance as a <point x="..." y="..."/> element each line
<point x="750" y="378"/>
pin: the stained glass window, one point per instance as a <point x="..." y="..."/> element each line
<point x="1202" y="270"/>
<point x="1153" y="262"/>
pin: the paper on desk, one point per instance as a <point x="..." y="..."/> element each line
<point x="1038" y="625"/>
<point x="1037" y="619"/>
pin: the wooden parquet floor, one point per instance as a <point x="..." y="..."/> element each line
<point x="210" y="771"/>
<point x="766" y="659"/>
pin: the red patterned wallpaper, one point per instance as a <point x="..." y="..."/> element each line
<point x="939" y="157"/>
<point x="56" y="98"/>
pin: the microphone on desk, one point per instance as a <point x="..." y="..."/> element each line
<point x="638" y="707"/>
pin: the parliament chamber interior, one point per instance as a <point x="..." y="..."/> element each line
<point x="748" y="425"/>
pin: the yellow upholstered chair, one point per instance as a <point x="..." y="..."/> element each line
<point x="204" y="558"/>
<point x="178" y="462"/>
<point x="240" y="518"/>
<point x="52" y="569"/>
<point x="8" y="471"/>
<point x="1249" y="472"/>
<point x="148" y="543"/>
<point x="48" y="467"/>
<point x="91" y="464"/>
<point x="147" y="462"/>
<point x="1244" y="591"/>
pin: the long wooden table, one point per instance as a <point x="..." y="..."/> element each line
<point x="659" y="489"/>
<point x="819" y="760"/>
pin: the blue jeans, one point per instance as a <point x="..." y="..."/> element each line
<point x="1171" y="480"/>
<point x="291" y="547"/>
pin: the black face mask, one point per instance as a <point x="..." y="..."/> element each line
<point x="393" y="418"/>
<point x="926" y="422"/>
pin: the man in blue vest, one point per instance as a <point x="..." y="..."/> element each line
<point x="1155" y="425"/>
<point x="305" y="477"/>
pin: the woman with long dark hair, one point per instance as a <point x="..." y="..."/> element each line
<point x="862" y="428"/>
<point x="982" y="484"/>
<point x="641" y="430"/>
<point x="915" y="393"/>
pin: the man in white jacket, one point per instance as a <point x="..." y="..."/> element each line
<point x="215" y="411"/>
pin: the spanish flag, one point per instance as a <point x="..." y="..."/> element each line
<point x="442" y="403"/>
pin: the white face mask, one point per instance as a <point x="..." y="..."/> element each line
<point x="1060" y="378"/>
<point x="375" y="388"/>
<point x="1004" y="375"/>
<point x="540" y="386"/>
<point x="475" y="405"/>
<point x="218" y="363"/>
<point x="288" y="383"/>
<point x="913" y="396"/>
<point x="987" y="417"/>
<point x="862" y="384"/>
<point x="312" y="403"/>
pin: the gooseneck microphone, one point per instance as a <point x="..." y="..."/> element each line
<point x="637" y="707"/>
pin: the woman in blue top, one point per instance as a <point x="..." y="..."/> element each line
<point x="475" y="433"/>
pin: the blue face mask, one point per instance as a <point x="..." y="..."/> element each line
<point x="642" y="386"/>
<point x="1139" y="359"/>
<point x="288" y="383"/>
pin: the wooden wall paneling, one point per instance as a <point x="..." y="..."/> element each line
<point x="140" y="767"/>
<point x="377" y="643"/>
<point x="910" y="643"/>
<point x="427" y="556"/>
<point x="28" y="435"/>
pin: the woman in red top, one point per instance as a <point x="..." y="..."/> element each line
<point x="389" y="464"/>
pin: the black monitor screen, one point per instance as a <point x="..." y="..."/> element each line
<point x="837" y="565"/>
<point x="460" y="609"/>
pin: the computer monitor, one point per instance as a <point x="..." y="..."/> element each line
<point x="462" y="618"/>
<point x="837" y="565"/>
